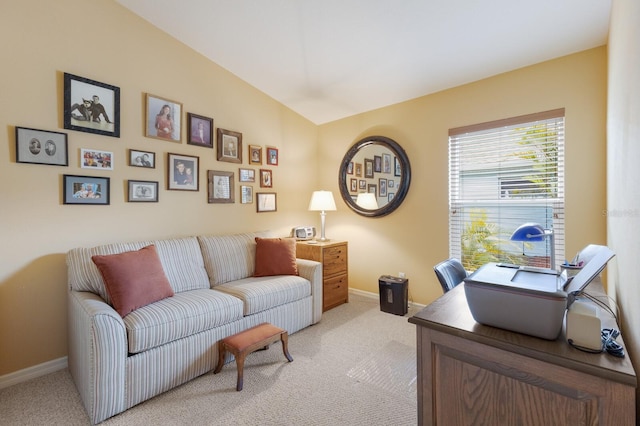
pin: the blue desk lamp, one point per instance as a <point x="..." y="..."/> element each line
<point x="535" y="232"/>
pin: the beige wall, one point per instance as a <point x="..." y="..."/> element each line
<point x="415" y="237"/>
<point x="102" y="41"/>
<point x="623" y="154"/>
<point x="37" y="229"/>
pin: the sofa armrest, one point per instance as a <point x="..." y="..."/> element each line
<point x="312" y="270"/>
<point x="97" y="354"/>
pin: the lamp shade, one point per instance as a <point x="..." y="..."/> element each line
<point x="529" y="232"/>
<point x="367" y="200"/>
<point x="322" y="201"/>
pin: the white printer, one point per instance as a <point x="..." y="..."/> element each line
<point x="526" y="299"/>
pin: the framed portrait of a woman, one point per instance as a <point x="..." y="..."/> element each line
<point x="164" y="119"/>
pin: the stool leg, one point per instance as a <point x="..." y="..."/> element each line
<point x="221" y="353"/>
<point x="284" y="338"/>
<point x="240" y="364"/>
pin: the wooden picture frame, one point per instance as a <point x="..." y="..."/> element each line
<point x="163" y="119"/>
<point x="266" y="202"/>
<point x="220" y="187"/>
<point x="368" y="168"/>
<point x="246" y="194"/>
<point x="255" y="154"/>
<point x="246" y="175"/>
<point x="182" y="172"/>
<point x="358" y="168"/>
<point x="353" y="185"/>
<point x="386" y="163"/>
<point x="382" y="187"/>
<point x="229" y="146"/>
<point x="266" y="178"/>
<point x="272" y="156"/>
<point x="41" y="147"/>
<point x="200" y="130"/>
<point x="142" y="191"/>
<point x="91" y="106"/>
<point x="397" y="167"/>
<point x="85" y="190"/>
<point x="139" y="158"/>
<point x="95" y="159"/>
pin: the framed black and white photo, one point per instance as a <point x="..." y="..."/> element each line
<point x="200" y="130"/>
<point x="247" y="175"/>
<point x="139" y="158"/>
<point x="182" y="173"/>
<point x="220" y="187"/>
<point x="164" y="119"/>
<point x="91" y="106"/>
<point x="41" y="147"/>
<point x="266" y="202"/>
<point x="246" y="194"/>
<point x="85" y="190"/>
<point x="142" y="191"/>
<point x="229" y="146"/>
<point x="266" y="178"/>
<point x="94" y="159"/>
<point x="368" y="168"/>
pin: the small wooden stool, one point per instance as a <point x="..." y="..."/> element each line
<point x="248" y="341"/>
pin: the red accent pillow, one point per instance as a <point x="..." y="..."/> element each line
<point x="133" y="279"/>
<point x="275" y="256"/>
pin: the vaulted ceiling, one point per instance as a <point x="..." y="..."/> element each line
<point x="330" y="59"/>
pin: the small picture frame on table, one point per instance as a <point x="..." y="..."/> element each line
<point x="163" y="119"/>
<point x="182" y="172"/>
<point x="41" y="147"/>
<point x="142" y="191"/>
<point x="85" y="190"/>
<point x="229" y="146"/>
<point x="246" y="194"/>
<point x="272" y="156"/>
<point x="94" y="159"/>
<point x="139" y="158"/>
<point x="255" y="154"/>
<point x="266" y="202"/>
<point x="220" y="187"/>
<point x="91" y="106"/>
<point x="200" y="130"/>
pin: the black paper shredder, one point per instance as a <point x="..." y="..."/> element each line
<point x="394" y="294"/>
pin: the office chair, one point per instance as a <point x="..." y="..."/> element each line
<point x="450" y="273"/>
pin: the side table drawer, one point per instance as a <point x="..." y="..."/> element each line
<point x="335" y="260"/>
<point x="335" y="292"/>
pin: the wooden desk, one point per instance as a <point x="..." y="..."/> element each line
<point x="471" y="374"/>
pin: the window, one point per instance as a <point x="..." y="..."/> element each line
<point x="501" y="175"/>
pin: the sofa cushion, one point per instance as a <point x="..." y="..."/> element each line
<point x="182" y="315"/>
<point x="263" y="293"/>
<point x="181" y="260"/>
<point x="133" y="279"/>
<point x="229" y="257"/>
<point x="275" y="256"/>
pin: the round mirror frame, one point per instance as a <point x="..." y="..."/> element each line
<point x="405" y="178"/>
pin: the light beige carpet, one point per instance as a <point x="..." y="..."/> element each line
<point x="356" y="367"/>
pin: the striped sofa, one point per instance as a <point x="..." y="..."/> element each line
<point x="118" y="362"/>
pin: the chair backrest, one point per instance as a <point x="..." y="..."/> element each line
<point x="450" y="273"/>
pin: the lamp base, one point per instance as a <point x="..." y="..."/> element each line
<point x="323" y="239"/>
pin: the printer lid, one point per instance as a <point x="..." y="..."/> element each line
<point x="596" y="258"/>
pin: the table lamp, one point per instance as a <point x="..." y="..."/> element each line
<point x="322" y="201"/>
<point x="367" y="200"/>
<point x="535" y="232"/>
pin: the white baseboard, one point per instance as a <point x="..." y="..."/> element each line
<point x="376" y="296"/>
<point x="32" y="372"/>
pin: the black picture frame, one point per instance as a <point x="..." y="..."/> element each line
<point x="220" y="187"/>
<point x="85" y="190"/>
<point x="200" y="130"/>
<point x="142" y="191"/>
<point x="41" y="147"/>
<point x="91" y="106"/>
<point x="138" y="158"/>
<point x="183" y="178"/>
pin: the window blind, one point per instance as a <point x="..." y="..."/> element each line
<point x="503" y="174"/>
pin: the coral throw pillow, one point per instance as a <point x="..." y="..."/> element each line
<point x="275" y="256"/>
<point x="133" y="279"/>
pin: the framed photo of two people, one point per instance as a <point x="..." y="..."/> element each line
<point x="91" y="106"/>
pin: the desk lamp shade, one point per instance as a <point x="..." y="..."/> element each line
<point x="322" y="201"/>
<point x="533" y="232"/>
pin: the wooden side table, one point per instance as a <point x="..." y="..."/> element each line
<point x="335" y="271"/>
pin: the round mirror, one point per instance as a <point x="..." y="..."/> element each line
<point x="375" y="175"/>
